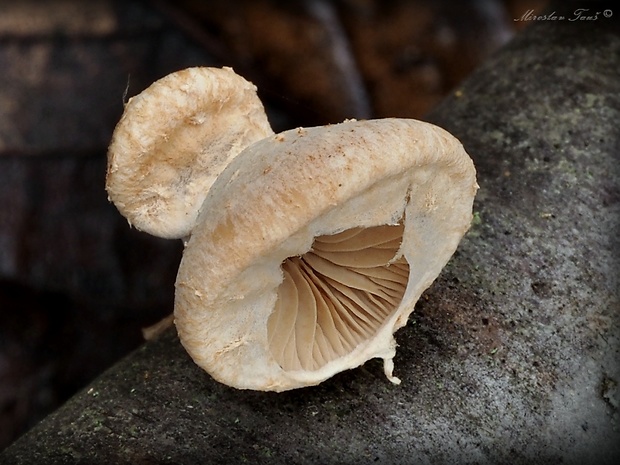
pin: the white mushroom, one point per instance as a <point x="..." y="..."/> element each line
<point x="173" y="140"/>
<point x="312" y="247"/>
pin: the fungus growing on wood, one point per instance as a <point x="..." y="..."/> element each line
<point x="311" y="247"/>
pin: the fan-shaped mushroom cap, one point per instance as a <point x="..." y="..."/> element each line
<point x="313" y="246"/>
<point x="173" y="140"/>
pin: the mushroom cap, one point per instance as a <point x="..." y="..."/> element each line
<point x="174" y="139"/>
<point x="286" y="232"/>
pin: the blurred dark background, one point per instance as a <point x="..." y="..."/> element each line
<point x="77" y="285"/>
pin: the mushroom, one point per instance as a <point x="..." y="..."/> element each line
<point x="312" y="246"/>
<point x="174" y="139"/>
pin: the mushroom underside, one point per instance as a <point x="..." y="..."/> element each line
<point x="336" y="296"/>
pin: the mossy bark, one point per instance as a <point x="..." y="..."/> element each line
<point x="512" y="356"/>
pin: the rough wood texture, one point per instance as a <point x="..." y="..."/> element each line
<point x="511" y="357"/>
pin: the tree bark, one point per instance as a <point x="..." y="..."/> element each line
<point x="512" y="356"/>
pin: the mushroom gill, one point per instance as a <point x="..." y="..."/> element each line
<point x="336" y="296"/>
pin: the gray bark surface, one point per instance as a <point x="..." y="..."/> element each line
<point x="512" y="356"/>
